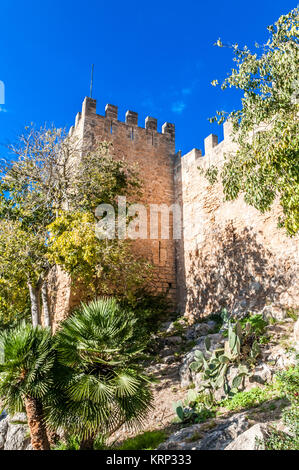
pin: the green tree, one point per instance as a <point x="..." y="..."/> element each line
<point x="14" y="303"/>
<point x="49" y="185"/>
<point x="106" y="388"/>
<point x="266" y="164"/>
<point x="26" y="376"/>
<point x="97" y="266"/>
<point x="34" y="184"/>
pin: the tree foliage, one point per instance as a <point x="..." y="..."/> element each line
<point x="266" y="164"/>
<point x="105" y="387"/>
<point x="84" y="380"/>
<point x="26" y="376"/>
<point x="49" y="191"/>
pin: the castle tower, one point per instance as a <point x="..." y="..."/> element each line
<point x="154" y="153"/>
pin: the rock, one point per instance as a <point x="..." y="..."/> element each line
<point x="3" y="431"/>
<point x="211" y="435"/>
<point x="166" y="352"/>
<point x="169" y="359"/>
<point x="255" y="287"/>
<point x="203" y="329"/>
<point x="200" y="329"/>
<point x="276" y="313"/>
<point x="174" y="326"/>
<point x="248" y="439"/>
<point x="261" y="374"/>
<point x="279" y="358"/>
<point x="14" y="433"/>
<point x="212" y="324"/>
<point x="190" y="334"/>
<point x="186" y="375"/>
<point x="286" y="300"/>
<point x="173" y="340"/>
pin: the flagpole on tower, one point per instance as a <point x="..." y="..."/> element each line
<point x="91" y="81"/>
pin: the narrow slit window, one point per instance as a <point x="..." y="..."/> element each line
<point x="132" y="133"/>
<point x="111" y="128"/>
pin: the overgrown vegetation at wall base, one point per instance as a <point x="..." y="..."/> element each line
<point x="241" y="349"/>
<point x="288" y="382"/>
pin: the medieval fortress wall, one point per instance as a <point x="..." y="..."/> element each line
<point x="228" y="253"/>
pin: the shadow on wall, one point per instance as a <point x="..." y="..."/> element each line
<point x="234" y="270"/>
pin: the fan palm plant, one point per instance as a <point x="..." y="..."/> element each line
<point x="105" y="388"/>
<point x="26" y="365"/>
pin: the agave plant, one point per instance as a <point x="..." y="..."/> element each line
<point x="215" y="364"/>
<point x="26" y="376"/>
<point x="101" y="386"/>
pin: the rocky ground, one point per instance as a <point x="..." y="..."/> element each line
<point x="229" y="430"/>
<point x="172" y="352"/>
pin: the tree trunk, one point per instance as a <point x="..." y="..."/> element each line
<point x="53" y="437"/>
<point x="35" y="303"/>
<point x="87" y="444"/>
<point x="38" y="432"/>
<point x="46" y="310"/>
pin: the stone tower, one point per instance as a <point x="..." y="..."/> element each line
<point x="154" y="154"/>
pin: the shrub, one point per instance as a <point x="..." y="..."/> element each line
<point x="196" y="408"/>
<point x="240" y="350"/>
<point x="279" y="440"/>
<point x="258" y="324"/>
<point x="247" y="399"/>
<point x="100" y="385"/>
<point x="148" y="440"/>
<point x="288" y="384"/>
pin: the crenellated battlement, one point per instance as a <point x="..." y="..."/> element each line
<point x="213" y="149"/>
<point x="112" y="122"/>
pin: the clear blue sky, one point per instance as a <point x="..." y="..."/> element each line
<point x="153" y="57"/>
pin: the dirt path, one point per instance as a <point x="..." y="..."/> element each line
<point x="166" y="391"/>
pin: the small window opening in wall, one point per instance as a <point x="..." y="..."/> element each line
<point x="132" y="133"/>
<point x="159" y="252"/>
<point x="152" y="138"/>
<point x="169" y="285"/>
<point x="111" y="128"/>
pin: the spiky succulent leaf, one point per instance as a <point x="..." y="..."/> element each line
<point x="237" y="381"/>
<point x="207" y="343"/>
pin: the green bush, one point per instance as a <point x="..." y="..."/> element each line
<point x="148" y="440"/>
<point x="258" y="324"/>
<point x="279" y="440"/>
<point x="288" y="385"/>
<point x="71" y="443"/>
<point x="288" y="382"/>
<point x="247" y="399"/>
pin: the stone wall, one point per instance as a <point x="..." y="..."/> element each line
<point x="230" y="254"/>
